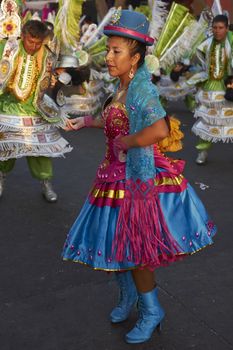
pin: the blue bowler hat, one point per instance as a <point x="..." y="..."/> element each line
<point x="129" y="24"/>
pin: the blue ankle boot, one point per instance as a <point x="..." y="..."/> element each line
<point x="150" y="317"/>
<point x="128" y="297"/>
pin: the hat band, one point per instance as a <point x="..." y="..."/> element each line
<point x="146" y="38"/>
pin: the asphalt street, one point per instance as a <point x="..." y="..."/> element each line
<point x="48" y="304"/>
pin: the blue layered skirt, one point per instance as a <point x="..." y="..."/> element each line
<point x="90" y="240"/>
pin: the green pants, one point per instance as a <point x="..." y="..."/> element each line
<point x="203" y="145"/>
<point x="40" y="167"/>
<point x="190" y="102"/>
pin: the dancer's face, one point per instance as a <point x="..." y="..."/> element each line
<point x="31" y="44"/>
<point x="220" y="31"/>
<point x="118" y="57"/>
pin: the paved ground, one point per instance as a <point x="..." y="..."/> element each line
<point x="47" y="304"/>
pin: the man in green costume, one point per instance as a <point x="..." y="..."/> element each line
<point x="214" y="113"/>
<point x="27" y="122"/>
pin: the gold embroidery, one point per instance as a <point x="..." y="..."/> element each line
<point x="230" y="131"/>
<point x="215" y="131"/>
<point x="23" y="82"/>
<point x="118" y="105"/>
<point x="97" y="193"/>
<point x="228" y="113"/>
<point x="119" y="194"/>
<point x="212" y="112"/>
<point x="166" y="181"/>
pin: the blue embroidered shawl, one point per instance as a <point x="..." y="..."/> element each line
<point x="142" y="235"/>
<point x="144" y="109"/>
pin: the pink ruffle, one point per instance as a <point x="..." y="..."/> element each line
<point x="142" y="235"/>
<point x="175" y="167"/>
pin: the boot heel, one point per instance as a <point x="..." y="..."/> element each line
<point x="150" y="316"/>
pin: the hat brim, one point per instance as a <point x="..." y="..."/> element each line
<point x="128" y="33"/>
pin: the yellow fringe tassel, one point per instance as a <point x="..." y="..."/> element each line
<point x="172" y="143"/>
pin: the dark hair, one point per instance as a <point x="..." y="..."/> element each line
<point x="134" y="3"/>
<point x="155" y="78"/>
<point x="229" y="94"/>
<point x="222" y="19"/>
<point x="229" y="91"/>
<point x="36" y="29"/>
<point x="175" y="75"/>
<point x="79" y="75"/>
<point x="228" y="80"/>
<point x="88" y="20"/>
<point x="137" y="47"/>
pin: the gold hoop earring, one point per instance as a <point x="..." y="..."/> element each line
<point x="131" y="73"/>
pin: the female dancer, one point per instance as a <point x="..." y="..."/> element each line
<point x="141" y="213"/>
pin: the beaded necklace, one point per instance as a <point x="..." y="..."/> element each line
<point x="218" y="60"/>
<point x="24" y="81"/>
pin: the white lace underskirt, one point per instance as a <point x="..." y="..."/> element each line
<point x="22" y="136"/>
<point x="213" y="133"/>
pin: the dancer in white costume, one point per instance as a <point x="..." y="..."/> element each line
<point x="214" y="113"/>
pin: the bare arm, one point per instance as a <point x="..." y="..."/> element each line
<point x="81" y="122"/>
<point x="147" y="136"/>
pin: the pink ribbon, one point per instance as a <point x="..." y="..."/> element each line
<point x="146" y="38"/>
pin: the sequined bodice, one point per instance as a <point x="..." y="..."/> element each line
<point x="116" y="124"/>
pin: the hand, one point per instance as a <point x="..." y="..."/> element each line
<point x="75" y="124"/>
<point x="53" y="81"/>
<point x="120" y="148"/>
<point x="119" y="143"/>
<point x="79" y="123"/>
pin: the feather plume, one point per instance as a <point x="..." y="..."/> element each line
<point x="159" y="14"/>
<point x="177" y="20"/>
<point x="185" y="45"/>
<point x="66" y="26"/>
<point x="99" y="29"/>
